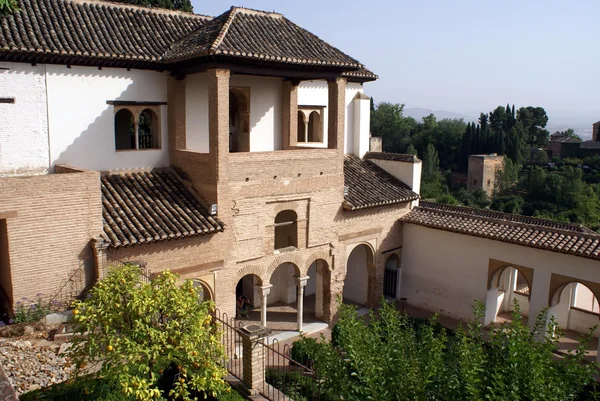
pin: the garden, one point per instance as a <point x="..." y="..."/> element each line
<point x="391" y="356"/>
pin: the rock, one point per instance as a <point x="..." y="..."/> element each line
<point x="28" y="330"/>
<point x="60" y="317"/>
<point x="64" y="348"/>
<point x="34" y="387"/>
<point x="46" y="344"/>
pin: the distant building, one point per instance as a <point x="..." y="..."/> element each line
<point x="482" y="172"/>
<point x="562" y="146"/>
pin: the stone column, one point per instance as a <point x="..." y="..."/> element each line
<point x="290" y="114"/>
<point x="253" y="361"/>
<point x="265" y="290"/>
<point x="301" y="283"/>
<point x="337" y="114"/>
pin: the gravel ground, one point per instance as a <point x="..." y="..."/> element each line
<point x="31" y="363"/>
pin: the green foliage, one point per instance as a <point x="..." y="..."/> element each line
<point x="88" y="389"/>
<point x="506" y="177"/>
<point x="138" y="330"/>
<point x="303" y="349"/>
<point x="472" y="198"/>
<point x="295" y="385"/>
<point x="8" y="7"/>
<point x="393" y="357"/>
<point x="182" y="5"/>
<point x="411" y="150"/>
<point x="27" y="310"/>
<point x="540" y="157"/>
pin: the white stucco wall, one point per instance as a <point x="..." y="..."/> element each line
<point x="24" y="125"/>
<point x="81" y="123"/>
<point x="265" y="111"/>
<point x="316" y="93"/>
<point x="284" y="285"/>
<point x="446" y="272"/>
<point x="196" y="112"/>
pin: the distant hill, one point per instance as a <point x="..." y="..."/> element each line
<point x="418" y="113"/>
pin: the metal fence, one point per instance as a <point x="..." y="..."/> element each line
<point x="232" y="341"/>
<point x="287" y="379"/>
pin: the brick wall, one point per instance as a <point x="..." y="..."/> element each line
<point x="51" y="219"/>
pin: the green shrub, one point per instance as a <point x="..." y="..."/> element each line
<point x="82" y="389"/>
<point x="33" y="310"/>
<point x="303" y="350"/>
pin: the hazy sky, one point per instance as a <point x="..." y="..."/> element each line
<point x="461" y="55"/>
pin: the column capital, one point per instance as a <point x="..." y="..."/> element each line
<point x="265" y="289"/>
<point x="301" y="281"/>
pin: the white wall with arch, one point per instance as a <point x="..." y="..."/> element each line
<point x="450" y="277"/>
<point x="81" y="123"/>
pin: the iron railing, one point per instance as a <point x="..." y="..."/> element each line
<point x="232" y="341"/>
<point x="287" y="379"/>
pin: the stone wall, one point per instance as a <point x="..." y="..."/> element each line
<point x="482" y="172"/>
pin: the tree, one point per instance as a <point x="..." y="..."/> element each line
<point x="392" y="356"/>
<point x="182" y="5"/>
<point x="540" y="157"/>
<point x="569" y="133"/>
<point x="534" y="120"/>
<point x="411" y="150"/>
<point x="8" y="7"/>
<point x="140" y="330"/>
<point x="431" y="162"/>
<point x="506" y="177"/>
<point x="388" y="122"/>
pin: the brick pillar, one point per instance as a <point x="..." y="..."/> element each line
<point x="254" y="363"/>
<point x="99" y="248"/>
<point x="176" y="113"/>
<point x="337" y="114"/>
<point x="290" y="114"/>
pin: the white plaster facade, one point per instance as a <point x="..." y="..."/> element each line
<point x="24" y="126"/>
<point x="446" y="272"/>
<point x="82" y="123"/>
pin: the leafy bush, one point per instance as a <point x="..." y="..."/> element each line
<point x="88" y="389"/>
<point x="392" y="357"/>
<point x="295" y="385"/>
<point x="303" y="350"/>
<point x="33" y="310"/>
<point x="140" y="330"/>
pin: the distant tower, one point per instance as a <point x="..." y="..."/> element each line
<point x="482" y="172"/>
<point x="596" y="131"/>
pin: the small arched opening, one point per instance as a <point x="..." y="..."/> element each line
<point x="239" y="120"/>
<point x="247" y="296"/>
<point x="392" y="277"/>
<point x="286" y="230"/>
<point x="301" y="127"/>
<point x="360" y="268"/>
<point x="508" y="286"/>
<point x="315" y="127"/>
<point x="575" y="309"/>
<point x="125" y="130"/>
<point x="148" y="130"/>
<point x="203" y="290"/>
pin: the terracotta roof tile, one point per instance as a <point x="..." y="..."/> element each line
<point x="259" y="35"/>
<point x="148" y="206"/>
<point x="102" y="33"/>
<point x="371" y="186"/>
<point x="532" y="232"/>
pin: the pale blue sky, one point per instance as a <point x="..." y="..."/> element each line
<point x="464" y="55"/>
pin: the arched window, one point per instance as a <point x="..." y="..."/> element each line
<point x="315" y="127"/>
<point x="301" y="127"/>
<point x="148" y="132"/>
<point x="286" y="230"/>
<point x="124" y="130"/>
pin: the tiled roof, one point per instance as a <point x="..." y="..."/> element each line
<point x="371" y="186"/>
<point x="102" y="33"/>
<point x="590" y="145"/>
<point x="520" y="230"/>
<point x="142" y="207"/>
<point x="399" y="157"/>
<point x="259" y="35"/>
<point x="92" y="32"/>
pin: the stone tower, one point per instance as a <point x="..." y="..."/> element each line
<point x="482" y="172"/>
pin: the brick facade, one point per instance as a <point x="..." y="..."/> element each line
<point x="50" y="221"/>
<point x="482" y="172"/>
